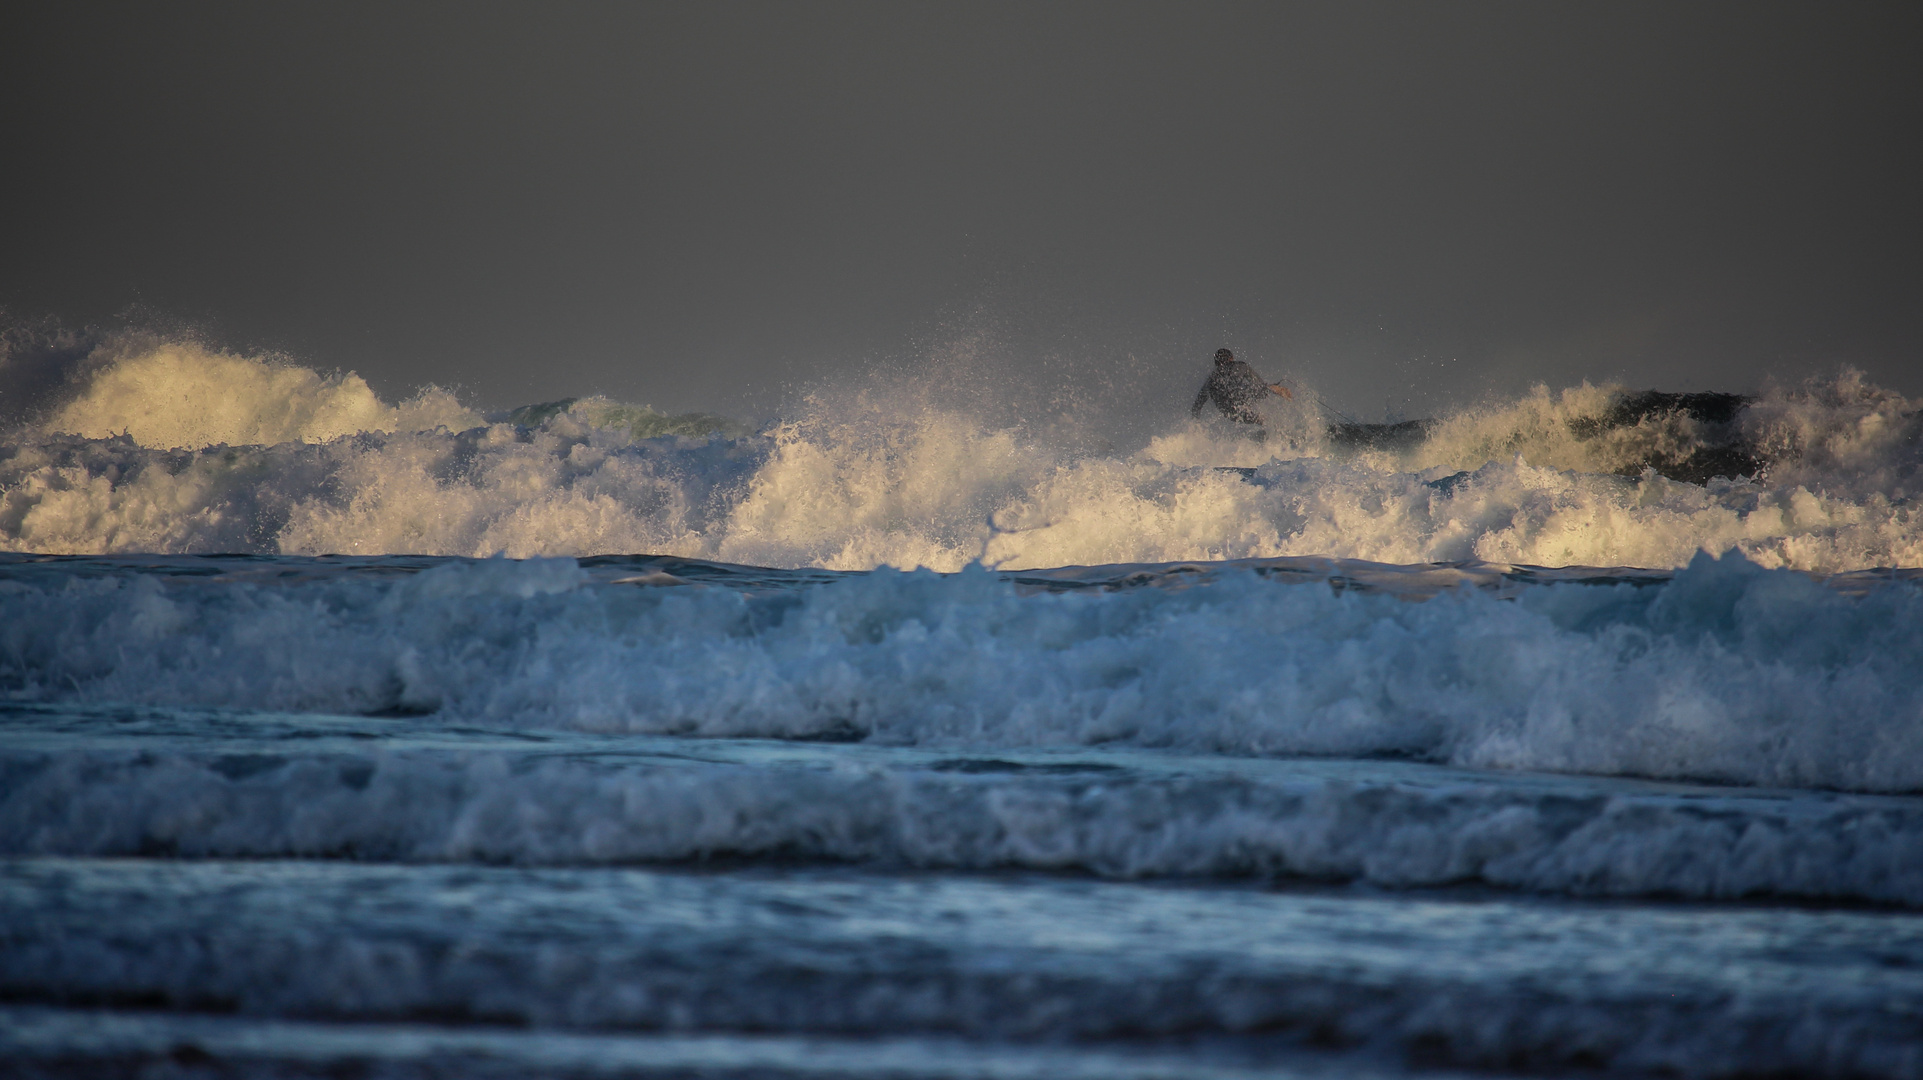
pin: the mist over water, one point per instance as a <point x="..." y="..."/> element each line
<point x="172" y="446"/>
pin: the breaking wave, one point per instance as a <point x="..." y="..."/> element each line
<point x="309" y="786"/>
<point x="173" y="447"/>
<point x="182" y="396"/>
<point x="1726" y="671"/>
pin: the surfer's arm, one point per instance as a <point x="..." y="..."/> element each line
<point x="1201" y="398"/>
<point x="1278" y="388"/>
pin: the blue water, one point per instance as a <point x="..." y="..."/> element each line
<point x="630" y="816"/>
<point x="1574" y="734"/>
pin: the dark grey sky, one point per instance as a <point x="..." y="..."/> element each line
<point x="704" y="205"/>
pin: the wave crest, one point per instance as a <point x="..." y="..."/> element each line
<point x="183" y="395"/>
<point x="179" y="449"/>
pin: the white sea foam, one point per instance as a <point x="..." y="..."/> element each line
<point x="1119" y="814"/>
<point x="862" y="481"/>
<point x="183" y="395"/>
<point x="1729" y="672"/>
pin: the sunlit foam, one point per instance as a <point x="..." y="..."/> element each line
<point x="314" y="464"/>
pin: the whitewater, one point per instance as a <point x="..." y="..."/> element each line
<point x="173" y="448"/>
<point x="1578" y="730"/>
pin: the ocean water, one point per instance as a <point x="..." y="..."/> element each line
<point x="346" y="737"/>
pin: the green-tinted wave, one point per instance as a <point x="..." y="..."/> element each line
<point x="639" y="421"/>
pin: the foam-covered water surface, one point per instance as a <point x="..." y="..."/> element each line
<point x="1480" y="982"/>
<point x="1723" y="671"/>
<point x="1818" y="477"/>
<point x="47" y="1042"/>
<point x="1581" y="731"/>
<point x="124" y="781"/>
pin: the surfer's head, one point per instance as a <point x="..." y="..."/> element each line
<point x="1223" y="356"/>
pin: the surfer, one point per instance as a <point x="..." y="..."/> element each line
<point x="1234" y="388"/>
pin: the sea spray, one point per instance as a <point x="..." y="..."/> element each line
<point x="1726" y="672"/>
<point x="299" y="463"/>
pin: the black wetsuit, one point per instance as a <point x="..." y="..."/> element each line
<point x="1234" y="387"/>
